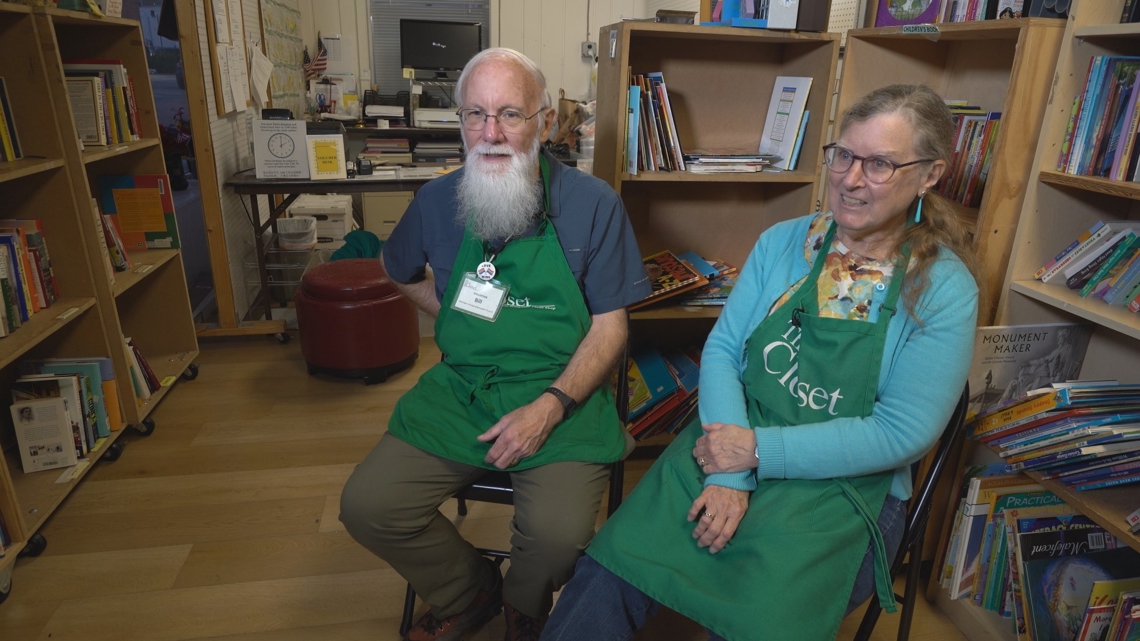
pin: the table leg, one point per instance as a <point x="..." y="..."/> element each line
<point x="259" y="248"/>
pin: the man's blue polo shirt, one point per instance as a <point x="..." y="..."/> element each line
<point x="588" y="215"/>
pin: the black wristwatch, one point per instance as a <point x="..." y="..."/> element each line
<point x="568" y="404"/>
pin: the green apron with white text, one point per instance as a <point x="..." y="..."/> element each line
<point x="490" y="369"/>
<point x="788" y="571"/>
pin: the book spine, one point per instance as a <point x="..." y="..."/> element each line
<point x="1065" y="252"/>
<point x="1067" y="144"/>
<point x="1108" y="483"/>
<point x="9" y="153"/>
<point x="1077" y="275"/>
<point x="1045" y="403"/>
<point x="1123" y="249"/>
<point x="1059" y="269"/>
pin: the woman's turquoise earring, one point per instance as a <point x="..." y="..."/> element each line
<point x="918" y="210"/>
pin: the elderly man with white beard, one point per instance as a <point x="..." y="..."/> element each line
<point x="534" y="264"/>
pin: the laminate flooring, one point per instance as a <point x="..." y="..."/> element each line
<point x="223" y="524"/>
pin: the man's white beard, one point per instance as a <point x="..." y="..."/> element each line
<point x="497" y="203"/>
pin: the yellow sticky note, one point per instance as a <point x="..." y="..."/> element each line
<point x="409" y="72"/>
<point x="139" y="210"/>
<point x="168" y="381"/>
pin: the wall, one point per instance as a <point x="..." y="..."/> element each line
<point x="549" y="31"/>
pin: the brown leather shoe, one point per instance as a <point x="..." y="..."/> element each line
<point x="487" y="603"/>
<point x="521" y="627"/>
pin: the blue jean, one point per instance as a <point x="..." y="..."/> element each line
<point x="598" y="605"/>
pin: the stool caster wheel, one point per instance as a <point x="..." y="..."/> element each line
<point x="283" y="337"/>
<point x="114" y="451"/>
<point x="5" y="582"/>
<point x="373" y="380"/>
<point x="191" y="372"/>
<point x="144" y="428"/>
<point x="35" y="546"/>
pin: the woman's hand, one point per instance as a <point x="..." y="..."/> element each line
<point x="718" y="511"/>
<point x="726" y="448"/>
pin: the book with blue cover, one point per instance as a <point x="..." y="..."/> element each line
<point x="656" y="377"/>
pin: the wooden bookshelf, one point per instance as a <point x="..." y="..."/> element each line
<point x="1057" y="208"/>
<point x="142" y="265"/>
<point x="55" y="183"/>
<point x="720" y="81"/>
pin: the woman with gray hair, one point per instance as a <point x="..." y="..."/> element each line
<point x="833" y="367"/>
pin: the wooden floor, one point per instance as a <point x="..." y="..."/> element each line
<point x="223" y="523"/>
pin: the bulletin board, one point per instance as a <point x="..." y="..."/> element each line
<point x="225" y="33"/>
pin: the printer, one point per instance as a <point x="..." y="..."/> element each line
<point x="435" y="118"/>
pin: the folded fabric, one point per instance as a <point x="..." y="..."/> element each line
<point x="359" y="243"/>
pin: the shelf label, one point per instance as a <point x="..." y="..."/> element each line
<point x="142" y="269"/>
<point x="68" y="314"/>
<point x="168" y="381"/>
<point x="921" y="28"/>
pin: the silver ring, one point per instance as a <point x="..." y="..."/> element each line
<point x="709" y="515"/>
<point x="701" y="461"/>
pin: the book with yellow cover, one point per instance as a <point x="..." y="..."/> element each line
<point x="326" y="157"/>
<point x="669" y="276"/>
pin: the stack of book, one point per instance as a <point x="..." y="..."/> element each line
<point x="975" y="134"/>
<point x="716" y="161"/>
<point x="722" y="278"/>
<point x="141" y="197"/>
<point x="1018" y="550"/>
<point x="27" y="281"/>
<point x="103" y="103"/>
<point x="9" y="141"/>
<point x="143" y="378"/>
<point x="971" y="10"/>
<point x="1131" y="12"/>
<point x="662" y="390"/>
<point x="387" y="151"/>
<point x="437" y="151"/>
<point x="1083" y="434"/>
<point x="61" y="408"/>
<point x="652" y="143"/>
<point x="1101" y="137"/>
<point x="669" y="276"/>
<point x="1102" y="263"/>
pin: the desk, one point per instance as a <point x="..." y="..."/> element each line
<point x="248" y="184"/>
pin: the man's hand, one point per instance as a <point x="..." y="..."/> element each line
<point x="726" y="448"/>
<point x="522" y="432"/>
<point x="717" y="511"/>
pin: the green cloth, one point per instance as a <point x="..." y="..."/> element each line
<point x="359" y="244"/>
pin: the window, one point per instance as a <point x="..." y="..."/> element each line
<point x="385" y="16"/>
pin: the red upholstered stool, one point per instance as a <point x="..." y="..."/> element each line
<point x="354" y="322"/>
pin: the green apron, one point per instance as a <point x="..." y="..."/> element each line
<point x="490" y="369"/>
<point x="788" y="571"/>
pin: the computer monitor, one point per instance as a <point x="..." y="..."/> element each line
<point x="438" y="46"/>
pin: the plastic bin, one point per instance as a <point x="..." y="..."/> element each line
<point x="298" y="232"/>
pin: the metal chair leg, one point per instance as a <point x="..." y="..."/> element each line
<point x="870" y="618"/>
<point x="910" y="593"/>
<point x="409" y="610"/>
<point x="617" y="483"/>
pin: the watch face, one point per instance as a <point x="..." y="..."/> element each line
<point x="281" y="145"/>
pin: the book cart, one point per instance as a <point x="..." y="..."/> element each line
<point x="55" y="183"/>
<point x="720" y="81"/>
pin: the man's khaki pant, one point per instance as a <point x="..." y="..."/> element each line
<point x="390" y="505"/>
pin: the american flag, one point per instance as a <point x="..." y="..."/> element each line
<point x="315" y="68"/>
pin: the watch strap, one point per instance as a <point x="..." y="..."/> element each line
<point x="568" y="403"/>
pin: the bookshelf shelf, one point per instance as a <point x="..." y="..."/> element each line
<point x="165" y="366"/>
<point x="1126" y="30"/>
<point x="797" y="177"/>
<point x="676" y="312"/>
<point x="1116" y="318"/>
<point x="41" y="325"/>
<point x="982" y="30"/>
<point x="1108" y="507"/>
<point x="1121" y="188"/>
<point x="63" y="16"/>
<point x="27" y="167"/>
<point x="143" y="265"/>
<point x="39" y="492"/>
<point x="95" y="154"/>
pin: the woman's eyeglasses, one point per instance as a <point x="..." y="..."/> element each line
<point x="876" y="168"/>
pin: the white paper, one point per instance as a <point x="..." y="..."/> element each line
<point x="239" y="79"/>
<point x="43" y="434"/>
<point x="237" y="37"/>
<point x="338" y="47"/>
<point x="114" y="9"/>
<point x="789" y="96"/>
<point x="224" y="74"/>
<point x="279" y="149"/>
<point x="261" y="69"/>
<point x="221" y="21"/>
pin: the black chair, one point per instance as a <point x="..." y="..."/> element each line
<point x="495" y="487"/>
<point x="915" y="529"/>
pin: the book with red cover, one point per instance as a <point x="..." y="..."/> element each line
<point x="669" y="276"/>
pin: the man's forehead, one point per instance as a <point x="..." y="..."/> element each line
<point x="503" y="79"/>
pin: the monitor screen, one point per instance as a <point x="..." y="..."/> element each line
<point x="438" y="46"/>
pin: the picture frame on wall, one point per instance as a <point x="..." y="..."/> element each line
<point x="893" y="13"/>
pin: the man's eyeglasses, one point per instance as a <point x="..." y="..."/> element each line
<point x="509" y="119"/>
<point x="876" y="168"/>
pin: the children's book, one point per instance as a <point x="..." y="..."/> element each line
<point x="1102" y="603"/>
<point x="669" y="276"/>
<point x="141" y="208"/>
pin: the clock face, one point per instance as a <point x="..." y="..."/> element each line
<point x="281" y="145"/>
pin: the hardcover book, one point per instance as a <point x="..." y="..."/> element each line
<point x="141" y="208"/>
<point x="669" y="276"/>
<point x="894" y="13"/>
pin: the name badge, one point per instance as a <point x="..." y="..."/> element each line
<point x="480" y="298"/>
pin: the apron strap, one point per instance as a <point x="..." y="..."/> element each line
<point x="883" y="585"/>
